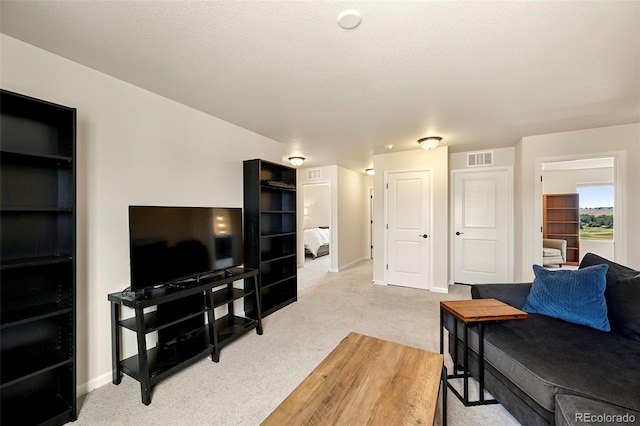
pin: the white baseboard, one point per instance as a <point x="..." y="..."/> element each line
<point x="379" y="282"/>
<point x="94" y="384"/>
<point x="440" y="290"/>
<point x="349" y="265"/>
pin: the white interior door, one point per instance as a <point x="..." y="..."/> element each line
<point x="408" y="229"/>
<point x="482" y="227"/>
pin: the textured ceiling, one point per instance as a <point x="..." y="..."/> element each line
<point x="479" y="74"/>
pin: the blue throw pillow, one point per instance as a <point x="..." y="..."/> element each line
<point x="572" y="295"/>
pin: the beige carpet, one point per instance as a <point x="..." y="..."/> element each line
<point x="256" y="373"/>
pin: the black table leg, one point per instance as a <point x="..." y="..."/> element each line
<point x="115" y="344"/>
<point x="258" y="304"/>
<point x="444" y="395"/>
<point x="466" y="364"/>
<point x="441" y="331"/>
<point x="213" y="332"/>
<point x="481" y="360"/>
<point x="455" y="347"/>
<point x="145" y="383"/>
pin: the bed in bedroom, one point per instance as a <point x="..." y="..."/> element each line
<point x="316" y="241"/>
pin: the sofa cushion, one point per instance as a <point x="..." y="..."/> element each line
<point x="622" y="295"/>
<point x="615" y="270"/>
<point x="574" y="296"/>
<point x="623" y="304"/>
<point x="514" y="294"/>
<point x="545" y="356"/>
<point x="572" y="410"/>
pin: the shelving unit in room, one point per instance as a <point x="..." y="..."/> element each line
<point x="37" y="260"/>
<point x="270" y="232"/>
<point x="561" y="220"/>
<point x="186" y="323"/>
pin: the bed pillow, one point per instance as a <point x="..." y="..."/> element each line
<point x="575" y="296"/>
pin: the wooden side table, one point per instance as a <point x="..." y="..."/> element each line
<point x="470" y="312"/>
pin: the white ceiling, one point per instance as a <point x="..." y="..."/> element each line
<point x="479" y="74"/>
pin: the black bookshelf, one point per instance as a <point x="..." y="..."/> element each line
<point x="270" y="233"/>
<point x="37" y="261"/>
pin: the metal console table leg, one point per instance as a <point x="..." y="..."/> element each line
<point x="464" y="397"/>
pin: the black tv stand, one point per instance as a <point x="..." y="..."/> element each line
<point x="183" y="336"/>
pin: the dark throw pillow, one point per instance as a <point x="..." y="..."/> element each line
<point x="623" y="304"/>
<point x="575" y="296"/>
<point x="615" y="270"/>
<point x="622" y="295"/>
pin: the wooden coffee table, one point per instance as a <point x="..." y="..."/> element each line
<point x="365" y="380"/>
<point x="479" y="312"/>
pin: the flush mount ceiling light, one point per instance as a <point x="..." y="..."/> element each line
<point x="370" y="172"/>
<point x="388" y="146"/>
<point x="296" y="161"/>
<point x="430" y="142"/>
<point x="349" y="19"/>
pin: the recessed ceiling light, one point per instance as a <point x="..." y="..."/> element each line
<point x="349" y="19"/>
<point x="388" y="146"/>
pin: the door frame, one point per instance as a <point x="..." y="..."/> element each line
<point x="333" y="234"/>
<point x="386" y="220"/>
<point x="510" y="215"/>
<point x="370" y="197"/>
<point x="619" y="184"/>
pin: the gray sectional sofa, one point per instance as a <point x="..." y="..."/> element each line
<point x="544" y="370"/>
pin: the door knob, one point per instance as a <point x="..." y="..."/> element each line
<point x="459" y="233"/>
<point x="423" y="236"/>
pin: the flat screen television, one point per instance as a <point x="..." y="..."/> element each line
<point x="173" y="245"/>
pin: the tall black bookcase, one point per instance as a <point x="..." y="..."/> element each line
<point x="270" y="233"/>
<point x="37" y="261"/>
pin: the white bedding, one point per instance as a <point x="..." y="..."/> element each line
<point x="314" y="238"/>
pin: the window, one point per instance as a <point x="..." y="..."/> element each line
<point x="596" y="211"/>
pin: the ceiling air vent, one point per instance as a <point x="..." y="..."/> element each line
<point x="480" y="159"/>
<point x="314" y="174"/>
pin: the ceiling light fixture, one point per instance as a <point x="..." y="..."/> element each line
<point x="388" y="146"/>
<point x="430" y="142"/>
<point x="349" y="19"/>
<point x="370" y="172"/>
<point x="296" y="161"/>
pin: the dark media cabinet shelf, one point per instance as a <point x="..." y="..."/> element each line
<point x="183" y="335"/>
<point x="37" y="261"/>
<point x="270" y="239"/>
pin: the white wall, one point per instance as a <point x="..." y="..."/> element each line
<point x="501" y="157"/>
<point x="567" y="181"/>
<point x="317" y="205"/>
<point x="352" y="217"/>
<point x="620" y="142"/>
<point x="133" y="147"/>
<point x="436" y="161"/>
